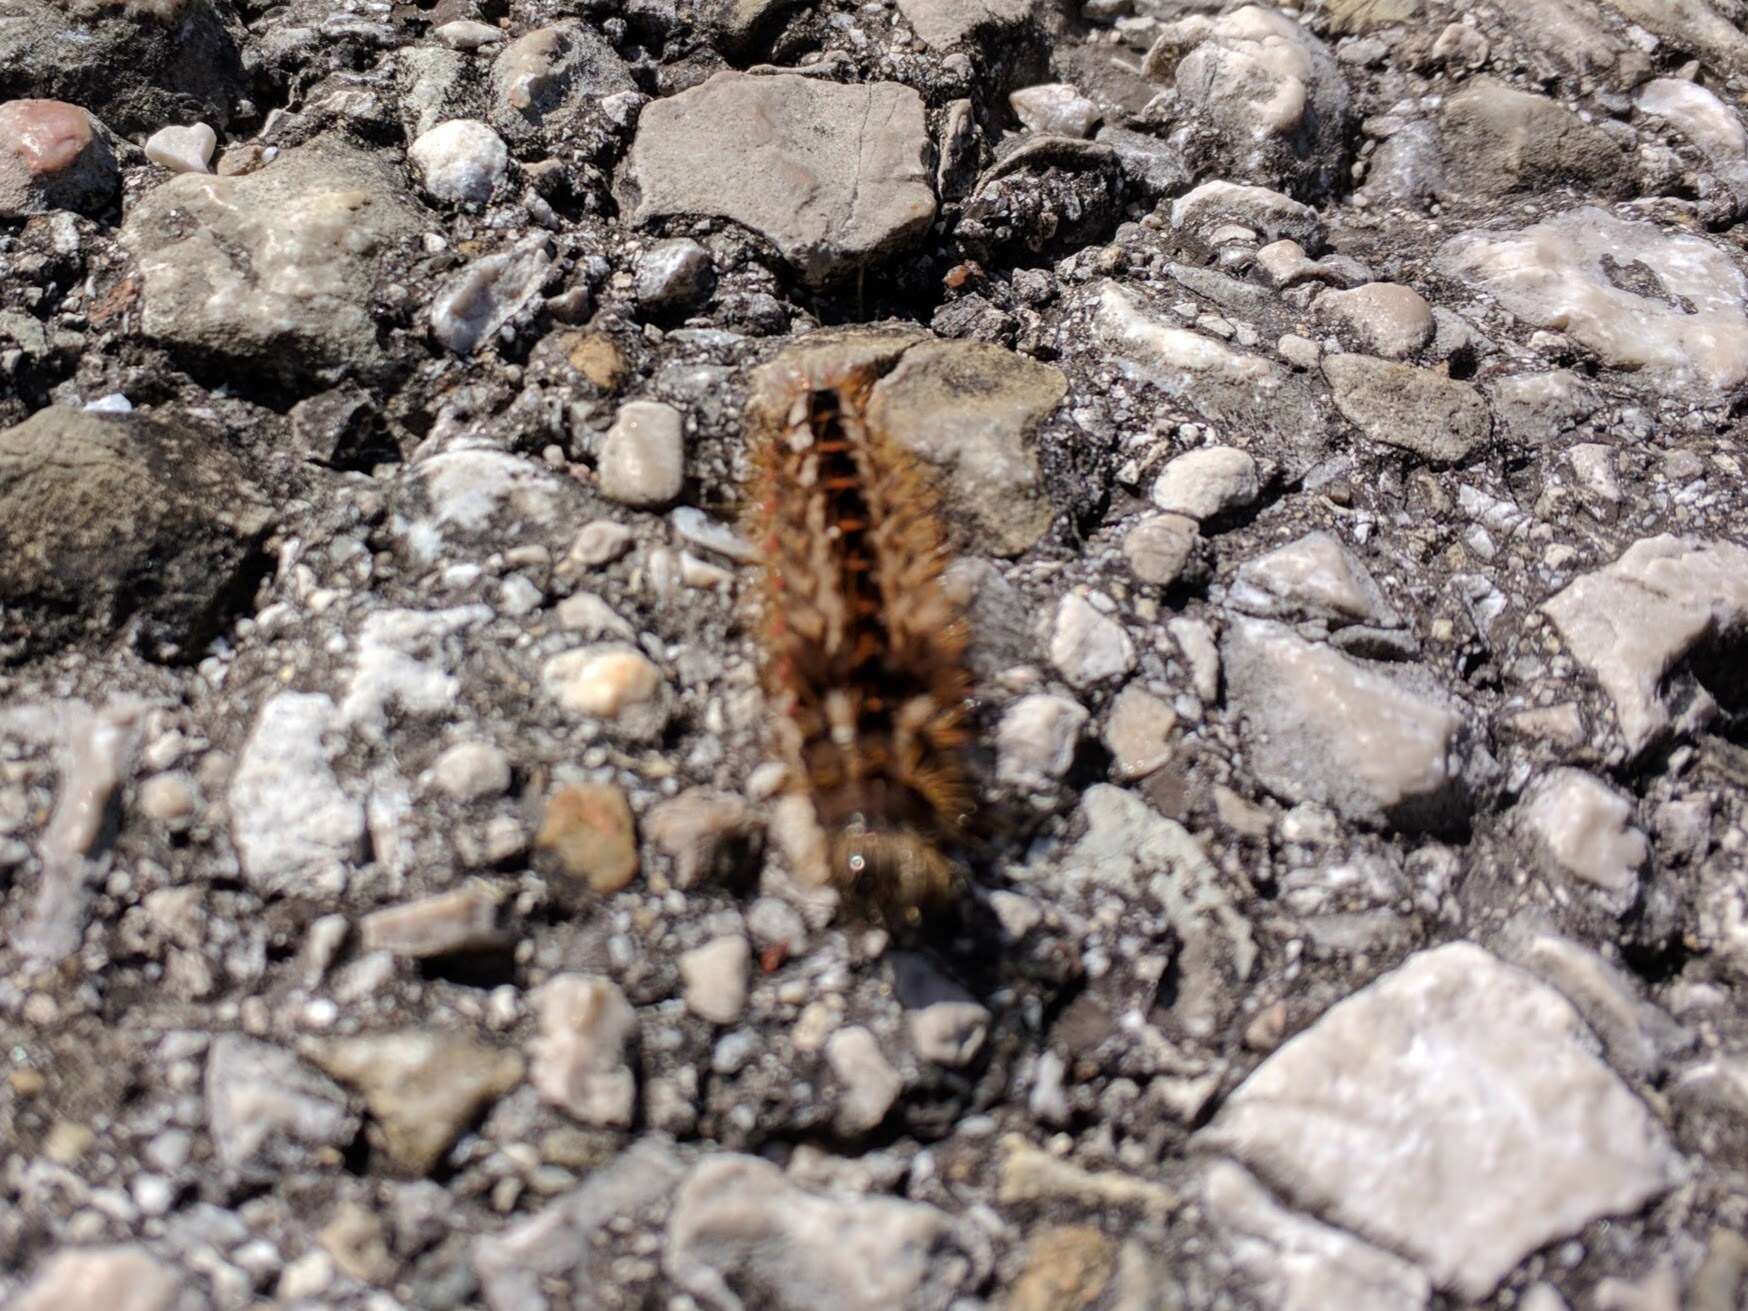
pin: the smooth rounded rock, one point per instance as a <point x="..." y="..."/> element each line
<point x="1208" y="483"/>
<point x="183" y="149"/>
<point x="53" y="156"/>
<point x="643" y="459"/>
<point x="462" y="161"/>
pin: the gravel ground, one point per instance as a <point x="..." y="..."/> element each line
<point x="1339" y="417"/>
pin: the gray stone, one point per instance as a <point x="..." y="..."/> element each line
<point x="674" y="276"/>
<point x="1696" y="25"/>
<point x="742" y="1237"/>
<point x="642" y="461"/>
<point x="478" y="302"/>
<point x="1633" y="622"/>
<point x="54" y="156"/>
<point x="1269" y="214"/>
<point x="267" y="1109"/>
<point x="1225" y="383"/>
<point x="1267" y="92"/>
<point x="1161" y="548"/>
<point x="1299" y="1264"/>
<point x="472" y="771"/>
<point x="714" y="978"/>
<point x="702" y="832"/>
<point x="1532" y="409"/>
<point x="1422" y="411"/>
<point x="1581" y="827"/>
<point x="464" y="919"/>
<point x="868" y="1085"/>
<point x="102" y="1279"/>
<point x="547" y="83"/>
<point x="457" y="504"/>
<point x="971" y="410"/>
<point x="1087" y="646"/>
<point x="1056" y="108"/>
<point x="1497" y="139"/>
<point x="836" y="178"/>
<point x="1381" y="318"/>
<point x="1035" y="741"/>
<point x="1378" y="747"/>
<point x="947" y="1026"/>
<point x="1138" y="732"/>
<point x="111" y="521"/>
<point x="290" y="817"/>
<point x="943" y="24"/>
<point x="1535" y="1138"/>
<point x="1312" y="577"/>
<point x="561" y="1241"/>
<point x="1638" y="1037"/>
<point x="272" y="270"/>
<point x="1130" y="849"/>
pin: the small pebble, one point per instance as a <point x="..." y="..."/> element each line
<point x="183" y="149"/>
<point x="642" y="460"/>
<point x="589" y="828"/>
<point x="714" y="977"/>
<point x="462" y="161"/>
<point x="472" y="771"/>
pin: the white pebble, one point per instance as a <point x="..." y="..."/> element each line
<point x="461" y="161"/>
<point x="643" y="458"/>
<point x="183" y="149"/>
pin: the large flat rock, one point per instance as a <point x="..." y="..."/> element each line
<point x="835" y="177"/>
<point x="1455" y="1112"/>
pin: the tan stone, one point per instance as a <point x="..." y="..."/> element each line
<point x="589" y="828"/>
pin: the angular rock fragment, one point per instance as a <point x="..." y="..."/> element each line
<point x="578" y="1063"/>
<point x="290" y="817"/>
<point x="1496" y="139"/>
<point x="943" y="24"/>
<point x="1221" y="381"/>
<point x="108" y="521"/>
<point x="267" y="1109"/>
<point x="1312" y="577"/>
<point x="971" y="410"/>
<point x="561" y="1241"/>
<point x="1130" y="849"/>
<point x="835" y="176"/>
<point x="1379" y="748"/>
<point x="422" y="1088"/>
<point x="1422" y="411"/>
<point x="1667" y="601"/>
<point x="102" y="1279"/>
<point x="1455" y="1112"/>
<point x="1582" y="828"/>
<point x="741" y="1237"/>
<point x="1299" y="1264"/>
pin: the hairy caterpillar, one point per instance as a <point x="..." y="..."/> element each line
<point x="864" y="652"/>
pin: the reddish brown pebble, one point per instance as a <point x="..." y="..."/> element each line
<point x="53" y="156"/>
<point x="588" y="827"/>
<point x="45" y="135"/>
